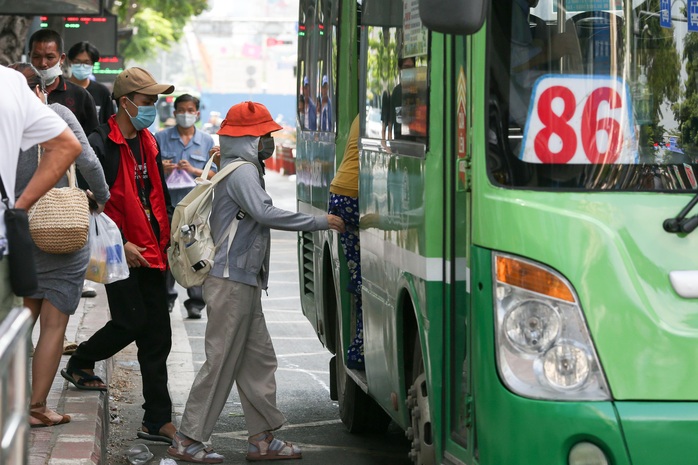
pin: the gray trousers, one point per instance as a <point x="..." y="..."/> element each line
<point x="238" y="350"/>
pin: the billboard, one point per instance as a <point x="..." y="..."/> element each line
<point x="100" y="31"/>
<point x="107" y="69"/>
<point x="53" y="7"/>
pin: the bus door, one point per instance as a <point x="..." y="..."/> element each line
<point x="457" y="151"/>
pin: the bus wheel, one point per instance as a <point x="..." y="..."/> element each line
<point x="420" y="432"/>
<point x="358" y="412"/>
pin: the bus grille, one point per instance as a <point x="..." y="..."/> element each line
<point x="308" y="272"/>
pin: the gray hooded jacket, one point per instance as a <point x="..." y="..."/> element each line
<point x="243" y="189"/>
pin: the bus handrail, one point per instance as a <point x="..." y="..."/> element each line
<point x="14" y="386"/>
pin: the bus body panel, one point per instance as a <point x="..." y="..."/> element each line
<point x="613" y="250"/>
<point x="660" y="432"/>
<point x="394" y="269"/>
<point x="315" y="163"/>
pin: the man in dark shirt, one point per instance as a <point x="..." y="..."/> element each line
<point x="82" y="58"/>
<point x="392" y="115"/>
<point x="46" y="54"/>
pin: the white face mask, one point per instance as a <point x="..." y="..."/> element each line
<point x="49" y="75"/>
<point x="186" y="120"/>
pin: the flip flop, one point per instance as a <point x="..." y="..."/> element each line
<point x="84" y="378"/>
<point x="154" y="437"/>
<point x="46" y="421"/>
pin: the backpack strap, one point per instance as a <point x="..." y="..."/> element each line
<point x="220" y="175"/>
<point x="231" y="235"/>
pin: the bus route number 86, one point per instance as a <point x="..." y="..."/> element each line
<point x="578" y="121"/>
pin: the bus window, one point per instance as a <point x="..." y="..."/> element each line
<point x="326" y="64"/>
<point x="636" y="92"/>
<point x="307" y="83"/>
<point x="396" y="71"/>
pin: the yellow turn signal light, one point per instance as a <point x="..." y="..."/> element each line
<point x="533" y="278"/>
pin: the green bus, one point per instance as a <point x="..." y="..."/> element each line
<point x="529" y="290"/>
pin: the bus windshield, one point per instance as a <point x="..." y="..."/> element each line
<point x="593" y="95"/>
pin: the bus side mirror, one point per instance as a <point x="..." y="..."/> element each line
<point x="453" y="16"/>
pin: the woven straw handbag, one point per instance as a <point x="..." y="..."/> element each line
<point x="59" y="222"/>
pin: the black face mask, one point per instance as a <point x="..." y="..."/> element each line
<point x="267" y="149"/>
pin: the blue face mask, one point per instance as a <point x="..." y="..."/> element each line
<point x="81" y="71"/>
<point x="145" y="117"/>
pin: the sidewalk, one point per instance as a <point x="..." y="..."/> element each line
<point x="83" y="441"/>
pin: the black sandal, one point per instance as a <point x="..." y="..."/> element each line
<point x="68" y="374"/>
<point x="147" y="427"/>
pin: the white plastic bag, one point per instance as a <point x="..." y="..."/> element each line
<point x="107" y="257"/>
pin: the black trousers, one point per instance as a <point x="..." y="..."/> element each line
<point x="138" y="307"/>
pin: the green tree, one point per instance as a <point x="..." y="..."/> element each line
<point x="657" y="56"/>
<point x="155" y="24"/>
<point x="687" y="111"/>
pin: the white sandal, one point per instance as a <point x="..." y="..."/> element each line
<point x="194" y="451"/>
<point x="267" y="447"/>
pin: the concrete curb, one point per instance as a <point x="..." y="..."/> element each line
<point x="83" y="441"/>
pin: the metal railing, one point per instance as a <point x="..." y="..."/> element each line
<point x="14" y="386"/>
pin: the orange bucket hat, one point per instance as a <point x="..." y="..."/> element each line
<point x="248" y="119"/>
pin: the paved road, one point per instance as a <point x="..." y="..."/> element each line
<point x="303" y="375"/>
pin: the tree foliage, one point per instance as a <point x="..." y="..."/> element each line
<point x="687" y="111"/>
<point x="657" y="56"/>
<point x="155" y="24"/>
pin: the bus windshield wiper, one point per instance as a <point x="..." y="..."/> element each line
<point x="681" y="224"/>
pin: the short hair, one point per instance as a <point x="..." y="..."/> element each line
<point x="186" y="98"/>
<point x="84" y="46"/>
<point x="46" y="35"/>
<point x="31" y="74"/>
<point x="401" y="61"/>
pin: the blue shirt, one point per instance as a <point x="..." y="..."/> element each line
<point x="195" y="152"/>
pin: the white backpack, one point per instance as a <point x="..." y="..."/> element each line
<point x="192" y="250"/>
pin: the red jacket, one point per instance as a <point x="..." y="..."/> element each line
<point x="124" y="205"/>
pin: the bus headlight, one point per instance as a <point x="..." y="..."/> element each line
<point x="544" y="350"/>
<point x="566" y="365"/>
<point x="532" y="326"/>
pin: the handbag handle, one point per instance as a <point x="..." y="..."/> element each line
<point x="72" y="179"/>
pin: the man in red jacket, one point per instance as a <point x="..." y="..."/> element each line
<point x="140" y="206"/>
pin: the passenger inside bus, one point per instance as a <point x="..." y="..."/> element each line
<point x="310" y="116"/>
<point x="535" y="49"/>
<point x="392" y="107"/>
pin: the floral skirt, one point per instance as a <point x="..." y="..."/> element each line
<point x="347" y="208"/>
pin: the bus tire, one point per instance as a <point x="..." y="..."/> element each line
<point x="358" y="412"/>
<point x="420" y="430"/>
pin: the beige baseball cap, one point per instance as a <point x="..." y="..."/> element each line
<point x="138" y="80"/>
